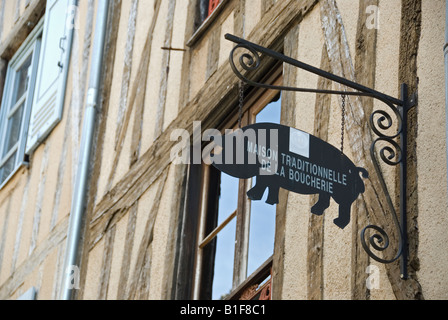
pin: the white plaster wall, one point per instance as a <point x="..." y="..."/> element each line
<point x="431" y="153"/>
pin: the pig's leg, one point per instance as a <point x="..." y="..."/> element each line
<point x="322" y="204"/>
<point x="344" y="215"/>
<point x="273" y="195"/>
<point x="256" y="193"/>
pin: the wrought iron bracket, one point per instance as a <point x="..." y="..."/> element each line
<point x="393" y="154"/>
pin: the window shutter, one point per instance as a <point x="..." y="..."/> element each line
<point x="51" y="78"/>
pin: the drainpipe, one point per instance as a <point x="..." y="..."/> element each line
<point x="79" y="198"/>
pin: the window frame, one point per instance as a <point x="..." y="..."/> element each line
<point x="204" y="9"/>
<point x="31" y="46"/>
<point x="200" y="27"/>
<point x="254" y="103"/>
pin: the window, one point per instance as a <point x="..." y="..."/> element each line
<point x="205" y="13"/>
<point x="204" y="9"/>
<point x="235" y="240"/>
<point x="17" y="101"/>
<point x="34" y="89"/>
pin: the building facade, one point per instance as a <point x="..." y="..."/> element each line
<point x="106" y="187"/>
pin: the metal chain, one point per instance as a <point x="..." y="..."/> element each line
<point x="240" y="114"/>
<point x="343" y="123"/>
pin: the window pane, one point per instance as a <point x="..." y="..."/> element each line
<point x="22" y="80"/>
<point x="270" y="113"/>
<point x="225" y="246"/>
<point x="262" y="215"/>
<point x="13" y="129"/>
<point x="228" y="199"/>
<point x="223" y="269"/>
<point x="262" y="233"/>
<point x="7" y="168"/>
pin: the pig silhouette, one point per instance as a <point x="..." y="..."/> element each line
<point x="283" y="157"/>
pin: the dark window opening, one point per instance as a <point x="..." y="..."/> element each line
<point x="204" y="9"/>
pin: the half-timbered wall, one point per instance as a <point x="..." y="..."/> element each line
<point x="160" y="74"/>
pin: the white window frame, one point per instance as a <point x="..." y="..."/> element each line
<point x="31" y="46"/>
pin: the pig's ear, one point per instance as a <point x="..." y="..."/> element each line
<point x="364" y="172"/>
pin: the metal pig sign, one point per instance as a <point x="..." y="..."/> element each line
<point x="283" y="157"/>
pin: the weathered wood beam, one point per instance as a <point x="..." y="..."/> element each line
<point x="139" y="282"/>
<point x="411" y="24"/>
<point x="315" y="264"/>
<point x="287" y="117"/>
<point x="365" y="71"/>
<point x="137" y="95"/>
<point x="127" y="252"/>
<point x="106" y="264"/>
<point x="360" y="137"/>
<point x="22" y="28"/>
<point x="165" y="71"/>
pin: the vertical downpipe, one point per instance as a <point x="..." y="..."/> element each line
<point x="79" y="197"/>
